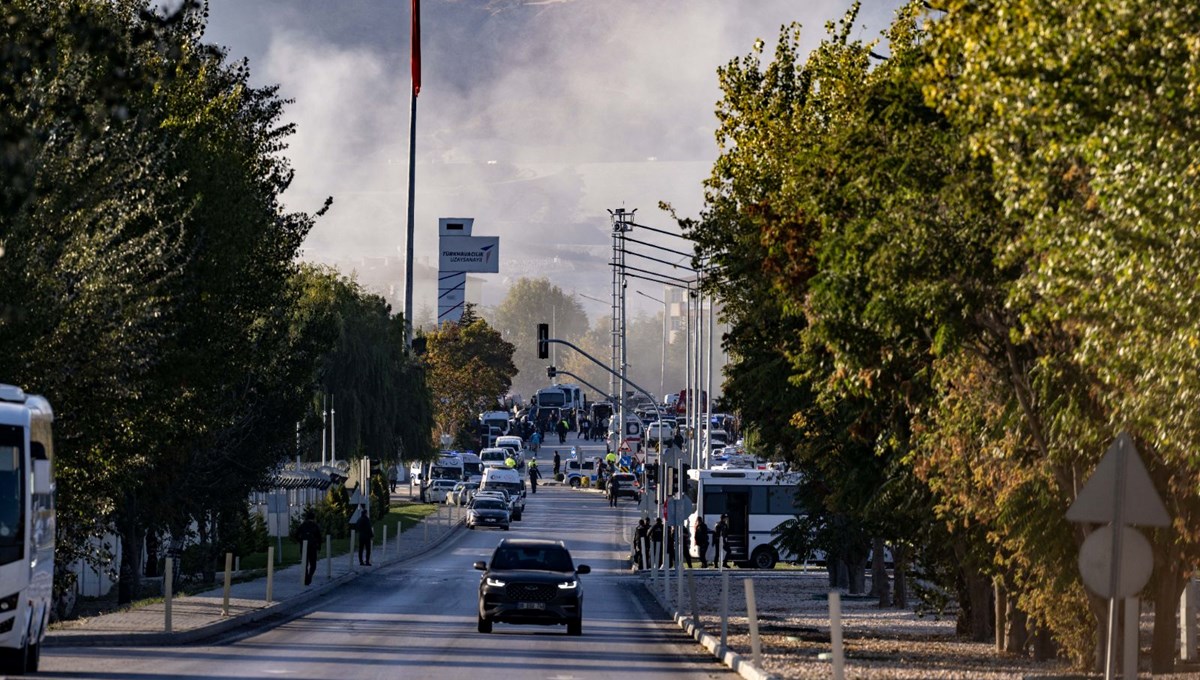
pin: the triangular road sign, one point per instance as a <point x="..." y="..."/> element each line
<point x="1096" y="502"/>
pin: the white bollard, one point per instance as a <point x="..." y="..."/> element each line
<point x="752" y="619"/>
<point x="168" y="585"/>
<point x="353" y="536"/>
<point x="1187" y="622"/>
<point x="1132" y="622"/>
<point x="237" y="564"/>
<point x="835" y="635"/>
<point x="270" y="572"/>
<point x="304" y="548"/>
<point x="383" y="548"/>
<point x="228" y="584"/>
<point x="724" y="610"/>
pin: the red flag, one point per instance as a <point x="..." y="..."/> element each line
<point x="416" y="47"/>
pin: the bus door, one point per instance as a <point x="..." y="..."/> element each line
<point x="737" y="506"/>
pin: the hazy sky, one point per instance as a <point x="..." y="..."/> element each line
<point x="535" y="116"/>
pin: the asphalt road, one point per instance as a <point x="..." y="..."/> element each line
<point x="418" y="621"/>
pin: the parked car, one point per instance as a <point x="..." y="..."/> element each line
<point x="437" y="491"/>
<point x="488" y="512"/>
<point x="532" y="582"/>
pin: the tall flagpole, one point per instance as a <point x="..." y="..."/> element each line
<point x="412" y="172"/>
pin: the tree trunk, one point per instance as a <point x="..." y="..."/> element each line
<point x="1044" y="647"/>
<point x="879" y="578"/>
<point x="1018" y="629"/>
<point x="979" y="590"/>
<point x="151" y="569"/>
<point x="899" y="567"/>
<point x="858" y="577"/>
<point x="1001" y="600"/>
<point x="1166" y="588"/>
<point x="128" y="581"/>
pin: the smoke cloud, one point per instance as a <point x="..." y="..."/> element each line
<point x="535" y="117"/>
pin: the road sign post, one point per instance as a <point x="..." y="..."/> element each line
<point x="1119" y="492"/>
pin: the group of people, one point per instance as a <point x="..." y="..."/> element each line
<point x="309" y="535"/>
<point x="653" y="534"/>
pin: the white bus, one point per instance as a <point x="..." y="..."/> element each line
<point x="563" y="397"/>
<point x="757" y="501"/>
<point x="26" y="528"/>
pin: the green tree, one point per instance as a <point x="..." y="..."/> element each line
<point x="383" y="407"/>
<point x="1088" y="118"/>
<point x="528" y="303"/>
<point x="469" y="368"/>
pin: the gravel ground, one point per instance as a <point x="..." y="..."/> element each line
<point x="793" y="614"/>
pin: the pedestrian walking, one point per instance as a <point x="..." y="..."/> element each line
<point x="639" y="542"/>
<point x="563" y="429"/>
<point x="613" y="488"/>
<point x="365" y="533"/>
<point x="557" y="462"/>
<point x="393" y="475"/>
<point x="585" y="427"/>
<point x="656" y="542"/>
<point x="535" y="442"/>
<point x="671" y="546"/>
<point x="309" y="531"/>
<point x="701" y="532"/>
<point x="534" y="476"/>
<point x="720" y="538"/>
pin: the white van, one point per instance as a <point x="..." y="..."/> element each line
<point x="516" y="445"/>
<point x="493" y="457"/>
<point x="508" y="480"/>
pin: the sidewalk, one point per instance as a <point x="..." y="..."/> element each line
<point x="198" y="617"/>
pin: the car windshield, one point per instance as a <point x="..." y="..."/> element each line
<point x="489" y="504"/>
<point x="548" y="558"/>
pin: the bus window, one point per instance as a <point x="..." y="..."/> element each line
<point x="758" y="499"/>
<point x="782" y="501"/>
<point x="714" y="500"/>
<point x="691" y="490"/>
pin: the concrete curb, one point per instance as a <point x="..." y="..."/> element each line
<point x="736" y="662"/>
<point x="224" y="625"/>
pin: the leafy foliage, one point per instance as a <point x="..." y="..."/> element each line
<point x="470" y="369"/>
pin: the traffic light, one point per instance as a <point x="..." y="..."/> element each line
<point x="543" y="341"/>
<point x="551" y="372"/>
<point x="673" y="480"/>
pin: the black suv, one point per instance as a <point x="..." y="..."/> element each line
<point x="531" y="581"/>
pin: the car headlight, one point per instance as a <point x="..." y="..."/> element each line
<point x="568" y="585"/>
<point x="495" y="582"/>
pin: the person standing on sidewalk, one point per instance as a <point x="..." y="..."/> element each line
<point x="365" y="535"/>
<point x="311" y="532"/>
<point x="656" y="543"/>
<point x="720" y="533"/>
<point x="557" y="462"/>
<point x="701" y="532"/>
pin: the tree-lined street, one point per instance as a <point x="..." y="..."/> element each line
<point x="418" y="620"/>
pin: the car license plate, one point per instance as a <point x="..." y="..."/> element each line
<point x="489" y="519"/>
<point x="531" y="605"/>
